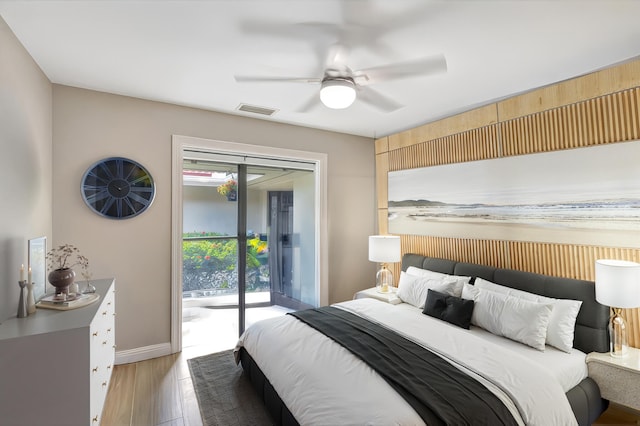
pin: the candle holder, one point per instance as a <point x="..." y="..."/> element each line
<point x="22" y="303"/>
<point x="31" y="299"/>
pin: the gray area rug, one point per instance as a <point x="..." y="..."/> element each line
<point x="225" y="395"/>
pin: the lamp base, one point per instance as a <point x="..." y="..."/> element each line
<point x="384" y="280"/>
<point x="618" y="334"/>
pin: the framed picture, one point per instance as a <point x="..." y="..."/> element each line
<point x="587" y="196"/>
<point x="38" y="265"/>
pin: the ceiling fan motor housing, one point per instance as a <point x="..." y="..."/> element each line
<point x="338" y="92"/>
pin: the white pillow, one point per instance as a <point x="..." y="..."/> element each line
<point x="413" y="289"/>
<point x="418" y="272"/>
<point x="461" y="280"/>
<point x="563" y="316"/>
<point x="517" y="319"/>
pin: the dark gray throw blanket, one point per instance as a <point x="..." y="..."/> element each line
<point x="439" y="392"/>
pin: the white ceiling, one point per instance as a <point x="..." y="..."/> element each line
<point x="187" y="52"/>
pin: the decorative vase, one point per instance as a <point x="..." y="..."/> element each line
<point x="61" y="279"/>
<point x="89" y="288"/>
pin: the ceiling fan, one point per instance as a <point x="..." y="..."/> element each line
<point x="340" y="85"/>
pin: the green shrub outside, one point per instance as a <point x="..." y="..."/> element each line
<point x="211" y="264"/>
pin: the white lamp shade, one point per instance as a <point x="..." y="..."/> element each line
<point x="384" y="248"/>
<point x="618" y="283"/>
<point x="337" y="93"/>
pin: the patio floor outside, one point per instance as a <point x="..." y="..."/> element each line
<point x="210" y="324"/>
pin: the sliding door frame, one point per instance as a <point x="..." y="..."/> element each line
<point x="242" y="244"/>
<point x="179" y="145"/>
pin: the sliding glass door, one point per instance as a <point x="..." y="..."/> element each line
<point x="289" y="211"/>
<point x="249" y="240"/>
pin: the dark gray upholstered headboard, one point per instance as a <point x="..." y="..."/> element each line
<point x="591" y="325"/>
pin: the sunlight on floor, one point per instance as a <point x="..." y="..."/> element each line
<point x="206" y="330"/>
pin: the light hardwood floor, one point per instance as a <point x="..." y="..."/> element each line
<point x="616" y="415"/>
<point x="160" y="392"/>
<point x="154" y="392"/>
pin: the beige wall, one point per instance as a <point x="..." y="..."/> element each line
<point x="91" y="125"/>
<point x="25" y="162"/>
<point x="206" y="210"/>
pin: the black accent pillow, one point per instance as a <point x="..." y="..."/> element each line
<point x="451" y="309"/>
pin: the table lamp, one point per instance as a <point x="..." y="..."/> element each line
<point x="618" y="286"/>
<point x="384" y="249"/>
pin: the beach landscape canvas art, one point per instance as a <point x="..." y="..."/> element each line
<point x="583" y="196"/>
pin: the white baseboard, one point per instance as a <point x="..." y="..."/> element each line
<point x="140" y="354"/>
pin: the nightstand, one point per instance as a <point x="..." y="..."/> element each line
<point x="372" y="293"/>
<point x="617" y="378"/>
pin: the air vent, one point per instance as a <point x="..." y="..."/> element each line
<point x="256" y="109"/>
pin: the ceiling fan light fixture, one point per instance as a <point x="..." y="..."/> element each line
<point x="337" y="92"/>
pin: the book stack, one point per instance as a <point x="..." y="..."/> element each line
<point x="70" y="302"/>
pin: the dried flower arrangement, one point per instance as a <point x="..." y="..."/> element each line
<point x="66" y="256"/>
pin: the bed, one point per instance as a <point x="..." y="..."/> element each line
<point x="305" y="376"/>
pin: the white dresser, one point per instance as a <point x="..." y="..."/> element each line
<point x="55" y="366"/>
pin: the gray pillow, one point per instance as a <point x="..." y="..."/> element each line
<point x="451" y="309"/>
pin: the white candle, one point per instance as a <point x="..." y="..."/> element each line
<point x="22" y="272"/>
<point x="29" y="275"/>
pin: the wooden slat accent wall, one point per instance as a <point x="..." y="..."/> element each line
<point x="600" y="108"/>
<point x="558" y="260"/>
<point x="472" y="145"/>
<point x="607" y="119"/>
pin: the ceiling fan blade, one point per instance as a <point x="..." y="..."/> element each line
<point x="336" y="56"/>
<point x="414" y="68"/>
<point x="377" y="100"/>
<point x="267" y="79"/>
<point x="312" y="103"/>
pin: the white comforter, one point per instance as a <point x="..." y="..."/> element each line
<point x="323" y="384"/>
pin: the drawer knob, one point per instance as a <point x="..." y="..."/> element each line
<point x="108" y="330"/>
<point x="104" y="313"/>
<point x="104" y="342"/>
<point x="95" y="369"/>
<point x="104" y="384"/>
<point x="115" y="346"/>
<point x="95" y="334"/>
<point x="108" y="367"/>
<point x="94" y="420"/>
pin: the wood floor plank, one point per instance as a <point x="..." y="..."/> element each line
<point x="618" y="416"/>
<point x="181" y="366"/>
<point x="119" y="401"/>
<point x="190" y="407"/>
<point x="144" y="412"/>
<point x="169" y="392"/>
<point x="174" y="422"/>
<point x="157" y="394"/>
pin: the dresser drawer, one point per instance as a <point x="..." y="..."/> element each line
<point x="102" y="355"/>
